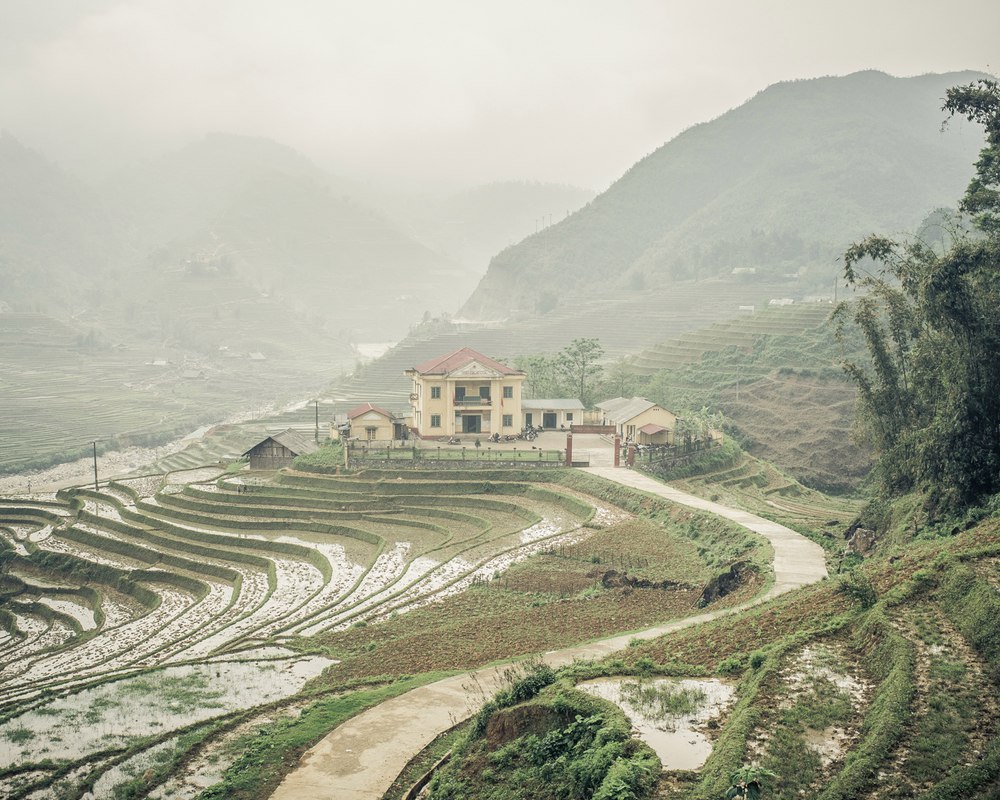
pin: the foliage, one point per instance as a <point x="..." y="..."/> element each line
<point x="575" y="371"/>
<point x="746" y="782"/>
<point x="579" y="363"/>
<point x="331" y="455"/>
<point x="858" y="586"/>
<point x="980" y="102"/>
<point x="931" y="321"/>
<point x="561" y="745"/>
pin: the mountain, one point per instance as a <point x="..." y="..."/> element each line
<point x="228" y="275"/>
<point x="267" y="215"/>
<point x="779" y="186"/>
<point x="472" y="225"/>
<point x="56" y="239"/>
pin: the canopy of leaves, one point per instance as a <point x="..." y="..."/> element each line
<point x="575" y="371"/>
<point x="929" y="396"/>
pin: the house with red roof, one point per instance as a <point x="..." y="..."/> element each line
<point x="371" y="423"/>
<point x="465" y="392"/>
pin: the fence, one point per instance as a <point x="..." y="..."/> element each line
<point x="663" y="456"/>
<point x="452" y="456"/>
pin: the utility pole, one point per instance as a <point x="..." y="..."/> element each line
<point x="317" y="421"/>
<point x="95" y="467"/>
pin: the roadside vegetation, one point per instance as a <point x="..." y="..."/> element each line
<point x="881" y="682"/>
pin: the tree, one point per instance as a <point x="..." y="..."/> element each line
<point x="928" y="396"/>
<point x="980" y="102"/>
<point x="543" y="375"/>
<point x="578" y="364"/>
<point x="619" y="380"/>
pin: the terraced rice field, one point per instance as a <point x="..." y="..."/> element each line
<point x="184" y="594"/>
<point x="760" y="487"/>
<point x="741" y="331"/>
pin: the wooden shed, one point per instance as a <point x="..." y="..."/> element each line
<point x="279" y="450"/>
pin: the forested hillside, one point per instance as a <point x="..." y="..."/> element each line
<point x="780" y="185"/>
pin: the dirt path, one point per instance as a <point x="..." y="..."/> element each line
<point x="360" y="759"/>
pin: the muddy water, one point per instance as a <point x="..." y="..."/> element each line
<point x="117" y="712"/>
<point x="676" y="738"/>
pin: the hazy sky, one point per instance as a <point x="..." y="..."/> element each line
<point x="572" y="91"/>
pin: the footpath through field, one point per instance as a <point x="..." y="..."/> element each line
<point x="360" y="759"/>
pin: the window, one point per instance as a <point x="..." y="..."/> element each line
<point x="569" y="416"/>
<point x="370" y="434"/>
<point x="508" y="392"/>
<point x="484" y="392"/>
<point x="508" y="420"/>
<point x="435" y="392"/>
<point x="435" y="420"/>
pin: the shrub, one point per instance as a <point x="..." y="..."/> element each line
<point x="858" y="586"/>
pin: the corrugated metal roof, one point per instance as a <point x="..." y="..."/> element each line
<point x="293" y="440"/>
<point x="609" y="406"/>
<point x="552" y="405"/>
<point x="652" y="428"/>
<point x="632" y="407"/>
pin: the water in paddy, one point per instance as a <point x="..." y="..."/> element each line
<point x="669" y="714"/>
<point x="118" y="712"/>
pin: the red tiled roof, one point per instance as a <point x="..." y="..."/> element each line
<point x="449" y="363"/>
<point x="364" y="409"/>
<point x="651" y="428"/>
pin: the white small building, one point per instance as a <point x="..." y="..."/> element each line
<point x="551" y="414"/>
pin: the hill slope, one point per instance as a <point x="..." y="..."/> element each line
<point x="780" y="185"/>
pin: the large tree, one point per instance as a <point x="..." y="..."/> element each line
<point x="930" y="392"/>
<point x="579" y="362"/>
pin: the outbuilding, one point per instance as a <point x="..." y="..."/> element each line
<point x="551" y="414"/>
<point x="371" y="423"/>
<point x="639" y="420"/>
<point x="279" y="450"/>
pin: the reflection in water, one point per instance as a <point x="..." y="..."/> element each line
<point x="668" y="713"/>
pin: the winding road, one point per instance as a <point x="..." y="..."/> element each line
<point x="360" y="759"/>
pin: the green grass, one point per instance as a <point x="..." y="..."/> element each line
<point x="663" y="701"/>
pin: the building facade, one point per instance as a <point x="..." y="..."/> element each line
<point x="467" y="393"/>
<point x="639" y="420"/>
<point x="552" y="414"/>
<point x="370" y="423"/>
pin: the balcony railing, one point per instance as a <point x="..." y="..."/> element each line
<point x="472" y="400"/>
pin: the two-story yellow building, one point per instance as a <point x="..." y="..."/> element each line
<point x="465" y="392"/>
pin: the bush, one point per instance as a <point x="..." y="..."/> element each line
<point x="858" y="586"/>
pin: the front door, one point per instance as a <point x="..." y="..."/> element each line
<point x="548" y="419"/>
<point x="471" y="423"/>
<point x="527" y="420"/>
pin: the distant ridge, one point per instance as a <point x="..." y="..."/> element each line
<point x="777" y="187"/>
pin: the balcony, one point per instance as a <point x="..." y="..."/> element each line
<point x="472" y="400"/>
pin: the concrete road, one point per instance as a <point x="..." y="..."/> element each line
<point x="360" y="759"/>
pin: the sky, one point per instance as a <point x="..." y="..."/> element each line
<point x="421" y="93"/>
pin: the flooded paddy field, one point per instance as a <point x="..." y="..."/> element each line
<point x="153" y="615"/>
